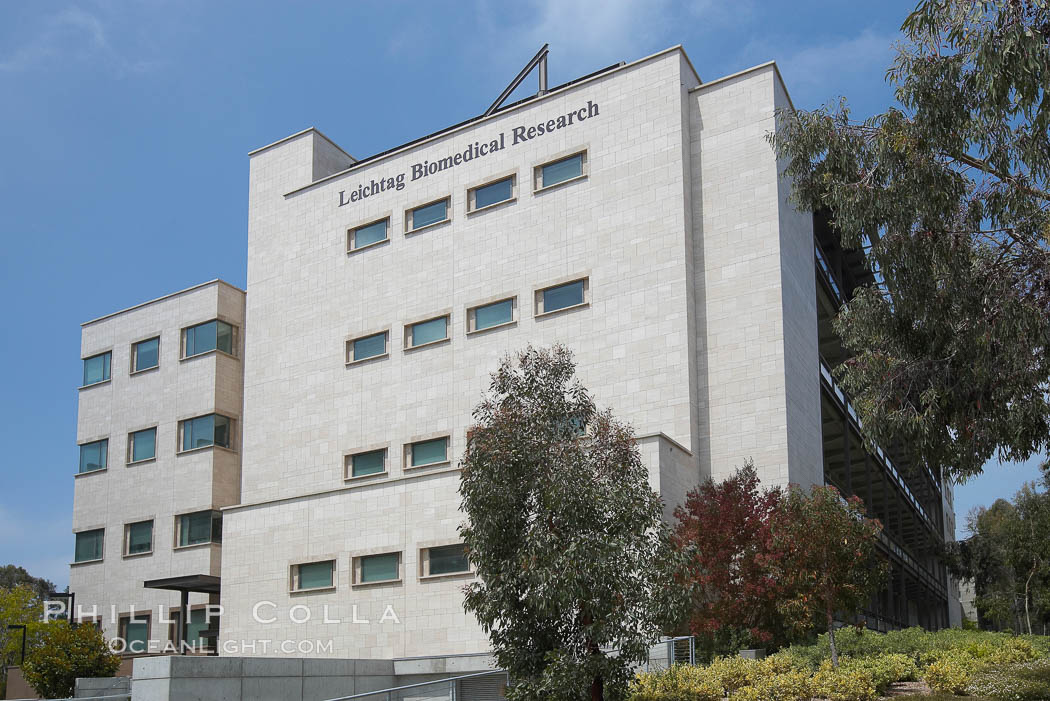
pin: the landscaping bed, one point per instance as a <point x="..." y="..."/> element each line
<point x="947" y="664"/>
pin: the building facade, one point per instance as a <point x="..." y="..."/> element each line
<point x="637" y="216"/>
<point x="158" y="427"/>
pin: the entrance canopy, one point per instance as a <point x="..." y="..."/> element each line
<point x="202" y="583"/>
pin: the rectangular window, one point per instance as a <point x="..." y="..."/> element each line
<point x="197" y="528"/>
<point x="447" y="559"/>
<point x="368" y="234"/>
<point x="371" y="463"/>
<point x="142" y="445"/>
<point x="206" y="337"/>
<point x="93" y="456"/>
<point x="560" y="171"/>
<point x="138" y="538"/>
<point x="89" y="545"/>
<point x="205" y="431"/>
<point x="433" y="213"/>
<point x="488" y="316"/>
<point x="493" y="193"/>
<point x="424" y="332"/>
<point x="366" y="347"/>
<point x="552" y="299"/>
<point x="135" y="632"/>
<point x="429" y="452"/>
<point x="96" y="368"/>
<point x="378" y="568"/>
<point x="145" y="354"/>
<point x="197" y="624"/>
<point x="313" y="575"/>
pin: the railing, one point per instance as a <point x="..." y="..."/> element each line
<point x="450" y="689"/>
<point x="483" y="686"/>
<point x="840" y="394"/>
<point x="117" y="697"/>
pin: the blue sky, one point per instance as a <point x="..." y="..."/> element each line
<point x="127" y="123"/>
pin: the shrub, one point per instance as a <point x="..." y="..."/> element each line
<point x="677" y="683"/>
<point x="885" y="669"/>
<point x="732" y="673"/>
<point x="947" y="676"/>
<point x="844" y="684"/>
<point x="1014" y="650"/>
<point x="66" y="653"/>
<point x="793" y="685"/>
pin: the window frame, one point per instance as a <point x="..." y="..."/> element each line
<point x="107" y="368"/>
<point x="129" y="457"/>
<point x="410" y="446"/>
<point x="101" y="548"/>
<point x="541" y="312"/>
<point x="105" y="459"/>
<point x="184" y="339"/>
<point x="471" y="312"/>
<point x="538" y="185"/>
<point x="135" y="351"/>
<point x="294" y="586"/>
<point x="356" y="569"/>
<point x="180" y="434"/>
<point x="351" y="235"/>
<point x="408" y="332"/>
<point x="127" y="539"/>
<point x="351" y="340"/>
<point x="348" y="463"/>
<point x="424" y="563"/>
<point x="410" y="224"/>
<point x="122" y="623"/>
<point x="216" y="516"/>
<point x="472" y="207"/>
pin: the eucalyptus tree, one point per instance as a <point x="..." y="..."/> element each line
<point x="564" y="532"/>
<point x="949" y="192"/>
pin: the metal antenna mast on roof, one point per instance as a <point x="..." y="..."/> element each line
<point x="540" y="59"/>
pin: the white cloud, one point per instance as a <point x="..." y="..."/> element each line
<point x="584" y="35"/>
<point x="817" y="73"/>
<point x="74" y="34"/>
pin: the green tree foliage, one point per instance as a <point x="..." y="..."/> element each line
<point x="1008" y="557"/>
<point x="830" y="564"/>
<point x="950" y="189"/>
<point x="19" y="605"/>
<point x="12" y="575"/>
<point x="66" y="652"/>
<point x="563" y="530"/>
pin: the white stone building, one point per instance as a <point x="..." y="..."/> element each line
<point x="635" y="215"/>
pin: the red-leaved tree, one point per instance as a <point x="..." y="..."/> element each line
<point x="830" y="565"/>
<point x="730" y="561"/>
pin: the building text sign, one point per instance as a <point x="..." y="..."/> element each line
<point x="479" y="149"/>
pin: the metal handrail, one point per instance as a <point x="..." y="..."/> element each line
<point x="127" y="697"/>
<point x="451" y="680"/>
<point x="417" y="685"/>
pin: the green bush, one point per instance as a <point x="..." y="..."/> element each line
<point x="792" y="685"/>
<point x="844" y="684"/>
<point x="732" y="673"/>
<point x="947" y="676"/>
<point x="677" y="683"/>
<point x="66" y="653"/>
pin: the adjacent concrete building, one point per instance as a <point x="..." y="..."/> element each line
<point x="636" y="215"/>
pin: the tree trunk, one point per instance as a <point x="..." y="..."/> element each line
<point x="597" y="690"/>
<point x="831" y="639"/>
<point x="1027" y="615"/>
